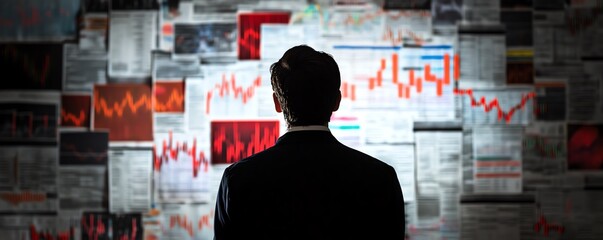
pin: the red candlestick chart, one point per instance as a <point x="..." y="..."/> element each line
<point x="249" y="31"/>
<point x="228" y="91"/>
<point x="125" y="110"/>
<point x="182" y="168"/>
<point x="416" y="80"/>
<point x="232" y="141"/>
<point x="169" y="96"/>
<point x="75" y="110"/>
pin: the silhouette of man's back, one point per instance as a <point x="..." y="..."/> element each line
<point x="309" y="186"/>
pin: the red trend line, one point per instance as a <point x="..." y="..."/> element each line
<point x="46" y="235"/>
<point x="204" y="221"/>
<point x="182" y="222"/>
<point x="170" y="151"/>
<point x="247" y="39"/>
<point x="83" y="155"/>
<point x="233" y="141"/>
<point x="547" y="227"/>
<point x="93" y="229"/>
<point x="493" y="104"/>
<point x="226" y="87"/>
<point x="398" y="37"/>
<point x="70" y="117"/>
<point x="175" y="102"/>
<point x="128" y="102"/>
<point x="16" y="198"/>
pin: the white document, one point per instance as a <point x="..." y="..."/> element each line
<point x="82" y="68"/>
<point x="132" y="36"/>
<point x="130" y="175"/>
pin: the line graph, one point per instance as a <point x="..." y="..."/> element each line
<point x="181" y="167"/>
<point x="170" y="151"/>
<point x="248" y="34"/>
<point x="229" y="87"/>
<point x="169" y="96"/>
<point x="547" y="227"/>
<point x="125" y="110"/>
<point x="83" y="148"/>
<point x="487" y="106"/>
<point x="75" y="110"/>
<point x="17" y="198"/>
<point x="192" y="224"/>
<point x="182" y="222"/>
<point x="232" y="141"/>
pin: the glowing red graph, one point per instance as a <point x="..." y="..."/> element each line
<point x="16" y="198"/>
<point x="169" y="96"/>
<point x="74" y="119"/>
<point x="248" y="33"/>
<point x="230" y="88"/>
<point x="170" y="150"/>
<point x="235" y="140"/>
<point x="415" y="83"/>
<point x="36" y="234"/>
<point x="93" y="226"/>
<point x="125" y="110"/>
<point x="547" y="227"/>
<point x="128" y="103"/>
<point x="489" y="105"/>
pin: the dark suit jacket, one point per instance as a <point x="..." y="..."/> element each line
<point x="309" y="186"/>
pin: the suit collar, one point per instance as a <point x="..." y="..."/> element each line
<point x="306" y="136"/>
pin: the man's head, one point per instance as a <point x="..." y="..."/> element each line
<point x="306" y="86"/>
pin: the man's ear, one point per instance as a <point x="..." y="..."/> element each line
<point x="337" y="102"/>
<point x="277" y="105"/>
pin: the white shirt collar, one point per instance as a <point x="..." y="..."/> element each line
<point x="308" y="128"/>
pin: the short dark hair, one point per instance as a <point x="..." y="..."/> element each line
<point x="306" y="83"/>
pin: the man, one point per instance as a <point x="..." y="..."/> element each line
<point x="308" y="185"/>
